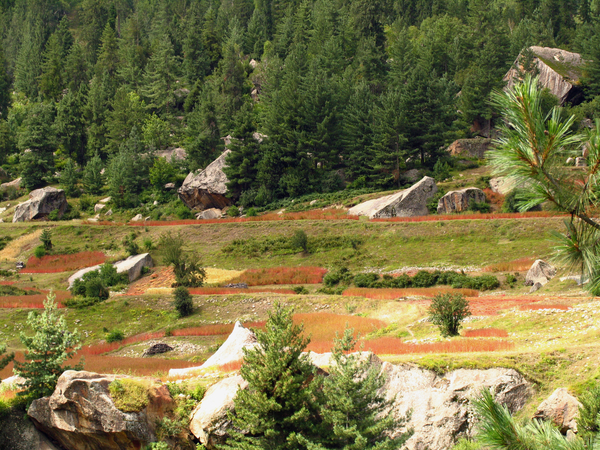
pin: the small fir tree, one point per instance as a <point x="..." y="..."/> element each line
<point x="6" y="359"/>
<point x="47" y="350"/>
<point x="93" y="180"/>
<point x="46" y="238"/>
<point x="183" y="302"/>
<point x="68" y="178"/>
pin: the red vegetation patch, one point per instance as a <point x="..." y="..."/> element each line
<point x="160" y="278"/>
<point x="7" y="283"/>
<point x="213" y="330"/>
<point x="495" y="198"/>
<point x="233" y="366"/>
<point x="392" y="294"/>
<point x="35" y="301"/>
<point x="281" y="275"/>
<point x="231" y="291"/>
<point x="475" y="216"/>
<point x="63" y="263"/>
<point x="486" y="332"/>
<point x="537" y="306"/>
<point x="518" y="265"/>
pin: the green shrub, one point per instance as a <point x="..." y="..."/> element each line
<point x="86" y="203"/>
<point x="441" y="170"/>
<point x="587" y="420"/>
<point x="94" y="288"/>
<point x="148" y="244"/>
<point x="46" y="238"/>
<point x="481" y="207"/>
<point x="131" y="247"/>
<point x="129" y="395"/>
<point x="183" y="302"/>
<point x="341" y="275"/>
<point x="365" y="280"/>
<point x="80" y="303"/>
<point x="423" y="279"/>
<point x="39" y="252"/>
<point x="511" y="280"/>
<point x="447" y="311"/>
<point x="115" y="336"/>
<point x="186" y="268"/>
<point x="184" y="213"/>
<point x="300" y="290"/>
<point x="233" y="211"/>
<point x="251" y="212"/>
<point x="299" y="240"/>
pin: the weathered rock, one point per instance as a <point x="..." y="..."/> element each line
<point x="157" y="349"/>
<point x="558" y="70"/>
<point x="208" y="214"/>
<point x="178" y="154"/>
<point x="133" y="265"/>
<point x="476" y="148"/>
<point x="170" y="186"/>
<point x="17" y="432"/>
<point x="237" y="285"/>
<point x="209" y="421"/>
<point x="412" y="175"/>
<point x="540" y="272"/>
<point x="232" y="350"/>
<point x="570" y="161"/>
<point x="535" y="287"/>
<point x="80" y="273"/>
<point x="14" y="183"/>
<point x="40" y="204"/>
<point x="105" y="200"/>
<point x="99" y="207"/>
<point x="439" y="405"/>
<point x="459" y="201"/>
<point x="407" y="203"/>
<point x="109" y="212"/>
<point x="562" y="409"/>
<point x="80" y="414"/>
<point x="137" y="218"/>
<point x="208" y="188"/>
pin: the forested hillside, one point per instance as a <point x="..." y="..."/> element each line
<point x="352" y="89"/>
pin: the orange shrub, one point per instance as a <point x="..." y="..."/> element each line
<point x="486" y="332"/>
<point x="231" y="291"/>
<point x="392" y="294"/>
<point x="518" y="265"/>
<point x="233" y="366"/>
<point x="495" y="198"/>
<point x="63" y="263"/>
<point x="281" y="275"/>
<point x="35" y="301"/>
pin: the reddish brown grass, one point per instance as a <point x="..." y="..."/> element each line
<point x="35" y="301"/>
<point x="495" y="198"/>
<point x="230" y="291"/>
<point x="486" y="332"/>
<point x="475" y="216"/>
<point x="518" y="265"/>
<point x="63" y="263"/>
<point x="394" y="346"/>
<point x="233" y="366"/>
<point x="392" y="294"/>
<point x="281" y="275"/>
<point x="537" y="306"/>
<point x="213" y="330"/>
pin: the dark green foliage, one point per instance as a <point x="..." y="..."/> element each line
<point x="481" y="207"/>
<point x="365" y="279"/>
<point x="341" y="275"/>
<point x="93" y="180"/>
<point x="12" y="290"/>
<point x="233" y="211"/>
<point x="130" y="246"/>
<point x="39" y="252"/>
<point x="115" y="336"/>
<point x="68" y="178"/>
<point x="46" y="238"/>
<point x="94" y="285"/>
<point x="183" y="301"/>
<point x="447" y="311"/>
<point x="588" y="425"/>
<point x="300" y="240"/>
<point x="6" y="359"/>
<point x="187" y="269"/>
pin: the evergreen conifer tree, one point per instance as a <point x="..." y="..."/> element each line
<point x="70" y="125"/>
<point x="68" y="178"/>
<point x="161" y="76"/>
<point x="93" y="180"/>
<point x="5" y="83"/>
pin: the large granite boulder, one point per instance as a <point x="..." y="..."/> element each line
<point x="232" y="350"/>
<point x="558" y="70"/>
<point x="208" y="188"/>
<point x="459" y="201"/>
<point x="40" y="204"/>
<point x="540" y="272"/>
<point x="407" y="203"/>
<point x="81" y="414"/>
<point x="210" y="214"/>
<point x="17" y="432"/>
<point x="134" y="265"/>
<point x="209" y="421"/>
<point x="80" y="273"/>
<point x="474" y="148"/>
<point x="562" y="409"/>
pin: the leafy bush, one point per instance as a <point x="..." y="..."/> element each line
<point x="441" y="170"/>
<point x="424" y="278"/>
<point x="341" y="275"/>
<point x="86" y="203"/>
<point x="300" y="290"/>
<point x="447" y="311"/>
<point x="184" y="213"/>
<point x="481" y="207"/>
<point x="300" y="240"/>
<point x="94" y="288"/>
<point x="131" y="247"/>
<point x="129" y="395"/>
<point x="115" y="336"/>
<point x="186" y="268"/>
<point x="94" y="284"/>
<point x="365" y="279"/>
<point x="251" y="212"/>
<point x="511" y="280"/>
<point x="183" y="302"/>
<point x="39" y="252"/>
<point x="233" y="211"/>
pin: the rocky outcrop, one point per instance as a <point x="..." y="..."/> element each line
<point x="14" y="183"/>
<point x="81" y="414"/>
<point x="134" y="265"/>
<point x="540" y="272"/>
<point x="137" y="218"/>
<point x="407" y="203"/>
<point x="208" y="188"/>
<point x="209" y="421"/>
<point x="80" y="273"/>
<point x="459" y="201"/>
<point x="232" y="350"/>
<point x="157" y="349"/>
<point x="474" y="148"/>
<point x="562" y="409"/>
<point x="210" y="214"/>
<point x="40" y="204"/>
<point x="558" y="70"/>
<point x="17" y="432"/>
<point x="439" y="405"/>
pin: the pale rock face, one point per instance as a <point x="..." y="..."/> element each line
<point x="14" y="183"/>
<point x="208" y="188"/>
<point x="407" y="203"/>
<point x="460" y="201"/>
<point x="209" y="214"/>
<point x="137" y="218"/>
<point x="99" y="207"/>
<point x="476" y="148"/>
<point x="562" y="409"/>
<point x="40" y="204"/>
<point x="133" y="265"/>
<point x="80" y="414"/>
<point x="540" y="272"/>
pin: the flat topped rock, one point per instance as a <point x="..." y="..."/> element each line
<point x="410" y="202"/>
<point x="133" y="265"/>
<point x="40" y="204"/>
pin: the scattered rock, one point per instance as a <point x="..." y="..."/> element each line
<point x="109" y="212"/>
<point x="80" y="414"/>
<point x="570" y="161"/>
<point x="562" y="79"/>
<point x="99" y="207"/>
<point x="18" y="433"/>
<point x="232" y="350"/>
<point x="155" y="203"/>
<point x="157" y="349"/>
<point x="540" y="272"/>
<point x="208" y="188"/>
<point x="170" y="186"/>
<point x="476" y="148"/>
<point x="209" y="421"/>
<point x="105" y="200"/>
<point x="14" y="183"/>
<point x="459" y="201"/>
<point x="20" y="265"/>
<point x="209" y="214"/>
<point x="313" y="202"/>
<point x="562" y="409"/>
<point x="40" y="204"/>
<point x="407" y="203"/>
<point x="133" y="265"/>
<point x="137" y="218"/>
<point x="535" y="287"/>
<point x="237" y="286"/>
<point x="146" y="219"/>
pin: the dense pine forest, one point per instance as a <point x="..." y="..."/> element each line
<point x="342" y="93"/>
